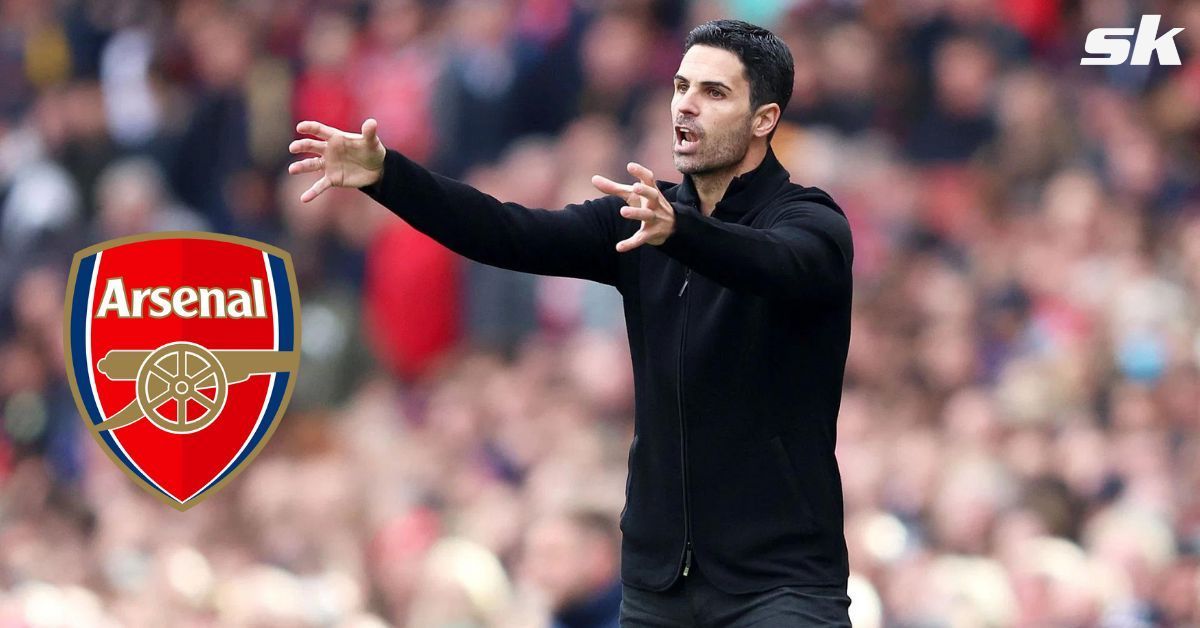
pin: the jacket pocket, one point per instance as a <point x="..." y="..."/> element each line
<point x="784" y="464"/>
<point x="790" y="479"/>
<point x="628" y="481"/>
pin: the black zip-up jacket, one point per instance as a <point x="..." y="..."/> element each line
<point x="738" y="328"/>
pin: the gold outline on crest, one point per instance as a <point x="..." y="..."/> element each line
<point x="67" y="357"/>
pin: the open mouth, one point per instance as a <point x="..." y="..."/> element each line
<point x="685" y="139"/>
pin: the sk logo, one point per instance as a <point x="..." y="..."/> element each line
<point x="182" y="350"/>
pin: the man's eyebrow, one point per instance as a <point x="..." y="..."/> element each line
<point x="680" y="77"/>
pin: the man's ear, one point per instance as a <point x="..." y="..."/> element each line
<point x="765" y="119"/>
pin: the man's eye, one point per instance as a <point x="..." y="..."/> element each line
<point x="715" y="93"/>
<point x="682" y="87"/>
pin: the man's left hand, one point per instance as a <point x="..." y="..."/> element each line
<point x="646" y="203"/>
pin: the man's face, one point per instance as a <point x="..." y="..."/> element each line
<point x="554" y="552"/>
<point x="711" y="111"/>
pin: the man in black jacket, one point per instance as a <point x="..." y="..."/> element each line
<point x="737" y="289"/>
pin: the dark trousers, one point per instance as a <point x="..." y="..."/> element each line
<point x="693" y="602"/>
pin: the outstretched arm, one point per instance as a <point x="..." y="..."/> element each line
<point x="576" y="241"/>
<point x="806" y="254"/>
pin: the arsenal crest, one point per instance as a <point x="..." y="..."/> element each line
<point x="182" y="350"/>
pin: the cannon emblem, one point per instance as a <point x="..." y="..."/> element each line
<point x="183" y="372"/>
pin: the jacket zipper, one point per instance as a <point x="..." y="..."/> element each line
<point x="686" y="559"/>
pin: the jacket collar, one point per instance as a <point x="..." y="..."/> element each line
<point x="745" y="192"/>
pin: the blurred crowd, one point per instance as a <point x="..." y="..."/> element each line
<point x="1018" y="436"/>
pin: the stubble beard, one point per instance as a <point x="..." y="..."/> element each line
<point x="725" y="152"/>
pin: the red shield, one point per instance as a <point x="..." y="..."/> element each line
<point x="182" y="350"/>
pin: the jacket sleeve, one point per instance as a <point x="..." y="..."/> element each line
<point x="805" y="254"/>
<point x="576" y="241"/>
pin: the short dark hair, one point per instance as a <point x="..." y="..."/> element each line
<point x="770" y="69"/>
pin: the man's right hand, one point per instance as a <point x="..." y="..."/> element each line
<point x="349" y="160"/>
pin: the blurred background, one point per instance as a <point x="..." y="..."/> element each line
<point x="1018" y="436"/>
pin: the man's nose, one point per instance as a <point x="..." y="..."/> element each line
<point x="686" y="105"/>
